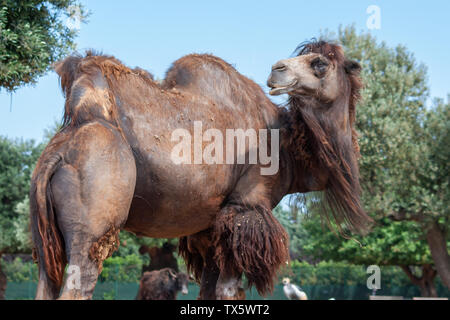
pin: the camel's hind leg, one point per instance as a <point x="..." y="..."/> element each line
<point x="92" y="196"/>
<point x="46" y="289"/>
<point x="210" y="274"/>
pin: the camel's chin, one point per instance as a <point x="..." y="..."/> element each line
<point x="275" y="91"/>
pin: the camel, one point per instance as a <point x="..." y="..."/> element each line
<point x="163" y="284"/>
<point x="160" y="258"/>
<point x="110" y="168"/>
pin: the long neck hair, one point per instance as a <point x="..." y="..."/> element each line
<point x="321" y="142"/>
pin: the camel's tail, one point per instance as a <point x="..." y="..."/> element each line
<point x="47" y="238"/>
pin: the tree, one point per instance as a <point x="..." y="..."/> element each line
<point x="434" y="213"/>
<point x="33" y="35"/>
<point x="390" y="243"/>
<point x="404" y="163"/>
<point x="17" y="160"/>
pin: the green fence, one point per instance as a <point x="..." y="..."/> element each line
<point x="128" y="291"/>
<point x="120" y="281"/>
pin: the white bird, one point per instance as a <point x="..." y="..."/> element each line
<point x="292" y="291"/>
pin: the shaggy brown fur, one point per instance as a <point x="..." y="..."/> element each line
<point x="247" y="241"/>
<point x="161" y="284"/>
<point x="250" y="241"/>
<point x="104" y="247"/>
<point x="192" y="257"/>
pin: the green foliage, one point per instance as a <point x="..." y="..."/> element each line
<point x="17" y="160"/>
<point x="33" y="35"/>
<point x="122" y="269"/>
<point x="20" y="271"/>
<point x="435" y="169"/>
<point x="389" y="243"/>
<point x="298" y="236"/>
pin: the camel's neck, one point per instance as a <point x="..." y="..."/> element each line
<point x="307" y="139"/>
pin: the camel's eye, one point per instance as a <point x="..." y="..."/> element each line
<point x="320" y="67"/>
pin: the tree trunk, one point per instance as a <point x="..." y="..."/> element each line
<point x="438" y="247"/>
<point x="425" y="282"/>
<point x="2" y="281"/>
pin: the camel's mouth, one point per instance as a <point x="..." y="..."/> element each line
<point x="277" y="90"/>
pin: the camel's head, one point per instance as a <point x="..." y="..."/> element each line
<point x="324" y="87"/>
<point x="318" y="71"/>
<point x="182" y="280"/>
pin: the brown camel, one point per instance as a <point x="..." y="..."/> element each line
<point x="160" y="258"/>
<point x="110" y="166"/>
<point x="162" y="284"/>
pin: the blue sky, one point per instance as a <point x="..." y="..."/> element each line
<point x="251" y="35"/>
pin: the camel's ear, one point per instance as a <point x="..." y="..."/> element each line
<point x="172" y="274"/>
<point x="352" y="66"/>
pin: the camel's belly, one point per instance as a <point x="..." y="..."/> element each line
<point x="168" y="221"/>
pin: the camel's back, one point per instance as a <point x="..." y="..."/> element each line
<point x="211" y="76"/>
